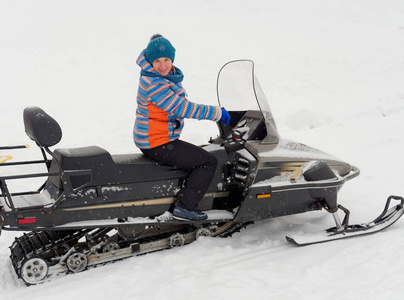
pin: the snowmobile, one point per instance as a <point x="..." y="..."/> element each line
<point x="95" y="207"/>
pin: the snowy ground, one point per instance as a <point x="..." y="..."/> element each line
<point x="334" y="74"/>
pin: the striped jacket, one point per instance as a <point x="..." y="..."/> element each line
<point x="161" y="108"/>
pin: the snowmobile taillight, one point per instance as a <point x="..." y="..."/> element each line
<point x="260" y="196"/>
<point x="27" y="221"/>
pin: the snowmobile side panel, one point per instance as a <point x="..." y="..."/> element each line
<point x="269" y="199"/>
<point x="263" y="202"/>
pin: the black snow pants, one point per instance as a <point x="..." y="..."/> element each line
<point x="200" y="163"/>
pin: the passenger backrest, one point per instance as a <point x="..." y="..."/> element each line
<point x="41" y="128"/>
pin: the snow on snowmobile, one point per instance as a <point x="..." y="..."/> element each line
<point x="95" y="207"/>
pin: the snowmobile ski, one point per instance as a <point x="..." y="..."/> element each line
<point x="388" y="217"/>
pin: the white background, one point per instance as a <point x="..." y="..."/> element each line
<point x="333" y="72"/>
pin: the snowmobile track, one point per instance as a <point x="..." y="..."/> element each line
<point x="37" y="256"/>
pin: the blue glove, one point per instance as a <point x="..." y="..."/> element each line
<point x="225" y="119"/>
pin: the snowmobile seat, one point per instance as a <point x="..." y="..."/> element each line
<point x="110" y="169"/>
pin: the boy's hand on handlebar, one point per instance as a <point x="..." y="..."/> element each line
<point x="225" y="119"/>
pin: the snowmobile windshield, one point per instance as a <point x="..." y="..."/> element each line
<point x="239" y="90"/>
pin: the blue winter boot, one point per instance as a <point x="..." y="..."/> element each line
<point x="183" y="214"/>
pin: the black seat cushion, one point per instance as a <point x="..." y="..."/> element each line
<point x="108" y="170"/>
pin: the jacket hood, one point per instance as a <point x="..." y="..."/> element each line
<point x="144" y="64"/>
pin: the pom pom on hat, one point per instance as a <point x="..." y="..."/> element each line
<point x="158" y="47"/>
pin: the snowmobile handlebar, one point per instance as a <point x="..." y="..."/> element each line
<point x="226" y="131"/>
<point x="232" y="139"/>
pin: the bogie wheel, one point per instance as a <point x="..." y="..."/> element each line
<point x="176" y="240"/>
<point x="203" y="232"/>
<point x="34" y="270"/>
<point x="77" y="262"/>
<point x="110" y="247"/>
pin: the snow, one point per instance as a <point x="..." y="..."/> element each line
<point x="333" y="72"/>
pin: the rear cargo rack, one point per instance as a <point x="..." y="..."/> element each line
<point x="65" y="175"/>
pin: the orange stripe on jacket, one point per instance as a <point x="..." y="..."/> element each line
<point x="158" y="126"/>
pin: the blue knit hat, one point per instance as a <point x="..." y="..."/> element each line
<point x="158" y="47"/>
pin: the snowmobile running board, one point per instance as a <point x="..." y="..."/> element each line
<point x="387" y="218"/>
<point x="214" y="216"/>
